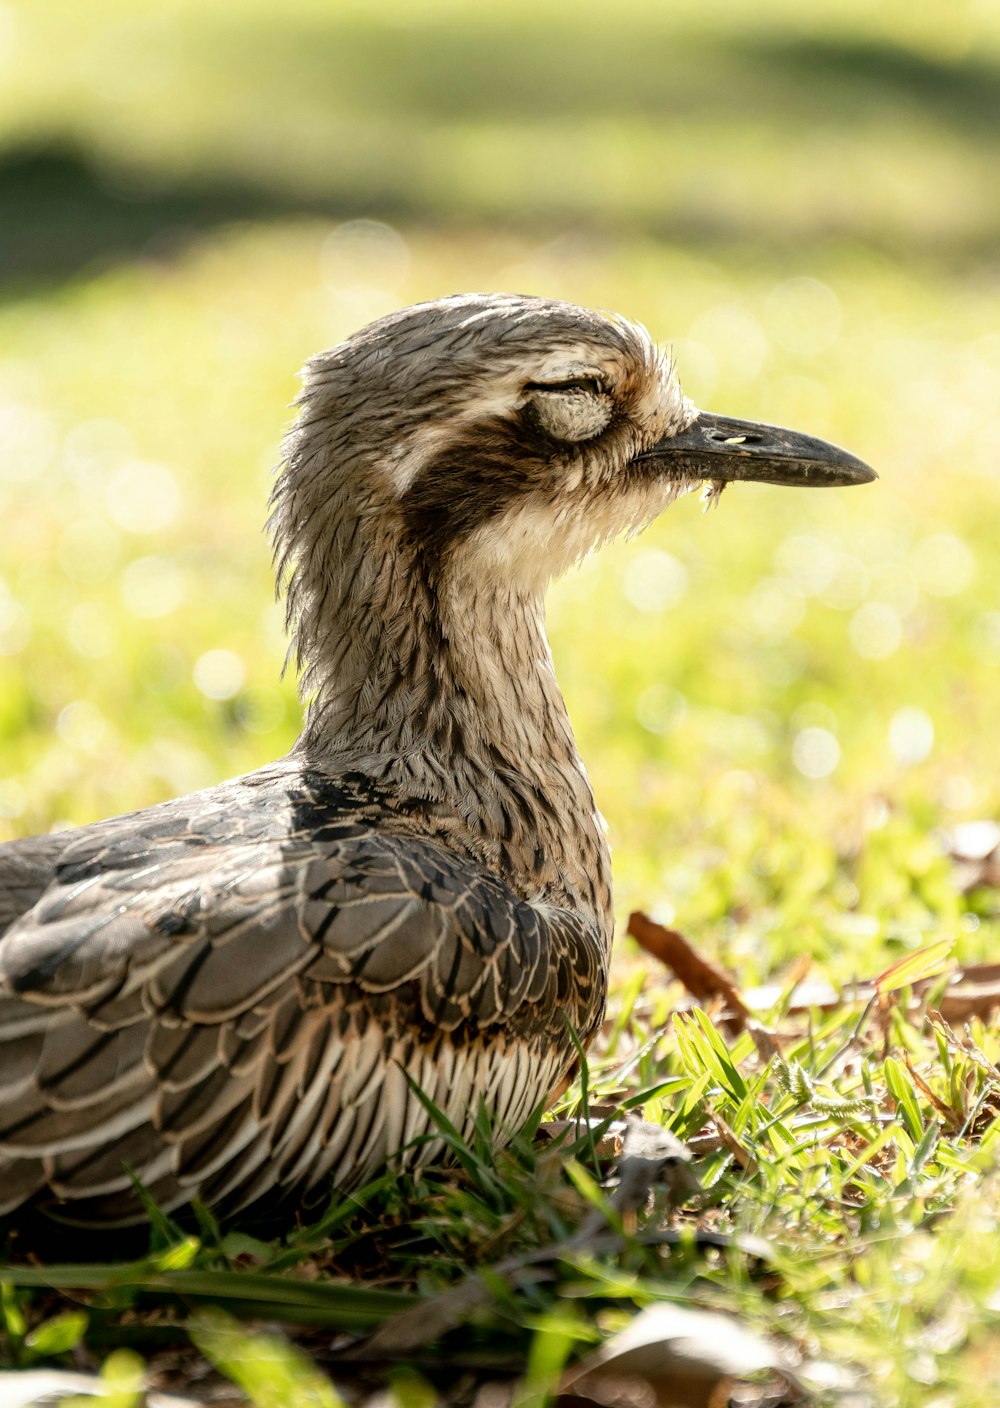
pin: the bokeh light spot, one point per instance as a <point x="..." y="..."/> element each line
<point x="944" y="564"/>
<point x="143" y="497"/>
<point x="776" y="607"/>
<point x="82" y="725"/>
<point x="90" y="630"/>
<point x="94" y="449"/>
<point x="152" y="587"/>
<point x="15" y="623"/>
<point x="654" y="580"/>
<point x="815" y="752"/>
<point x="809" y="561"/>
<point x="875" y="630"/>
<point x="660" y="708"/>
<point x="88" y="549"/>
<point x="804" y="315"/>
<point x="219" y="674"/>
<point x="27" y="443"/>
<point x="911" y="735"/>
<point x="362" y="260"/>
<point x="13" y="798"/>
<point x="848" y="587"/>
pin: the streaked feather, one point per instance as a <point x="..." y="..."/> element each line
<point x="238" y="994"/>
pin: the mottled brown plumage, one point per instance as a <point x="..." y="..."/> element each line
<point x="234" y="994"/>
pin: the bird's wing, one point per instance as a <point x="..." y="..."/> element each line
<point x="219" y="1012"/>
<point x="26" y="871"/>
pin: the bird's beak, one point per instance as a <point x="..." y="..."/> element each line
<point x="721" y="449"/>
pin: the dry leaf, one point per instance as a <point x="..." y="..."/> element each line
<point x="973" y="991"/>
<point x="974" y="846"/>
<point x="745" y="1160"/>
<point x="47" y="1388"/>
<point x="814" y="993"/>
<point x="953" y="1118"/>
<point x="702" y="979"/>
<point x="674" y="1357"/>
<point x="651" y="1155"/>
<point x="609" y="1137"/>
<point x="973" y="840"/>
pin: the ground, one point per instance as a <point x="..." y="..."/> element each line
<point x="786" y="704"/>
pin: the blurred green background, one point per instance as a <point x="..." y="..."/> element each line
<point x="782" y="702"/>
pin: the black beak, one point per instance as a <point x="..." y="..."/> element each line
<point x="721" y="449"/>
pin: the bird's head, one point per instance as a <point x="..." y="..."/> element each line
<point x="510" y="435"/>
<point x="478" y="445"/>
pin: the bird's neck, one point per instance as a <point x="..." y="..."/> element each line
<point x="447" y="697"/>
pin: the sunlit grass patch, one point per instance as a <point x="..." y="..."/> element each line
<point x="781" y="702"/>
<point x="846" y="1194"/>
<point x="709" y="122"/>
<point x="778" y="701"/>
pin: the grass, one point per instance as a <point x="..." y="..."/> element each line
<point x="848" y="1188"/>
<point x="722" y="638"/>
<point x="674" y="117"/>
<point x="782" y="704"/>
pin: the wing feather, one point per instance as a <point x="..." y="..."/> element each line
<point x="180" y="1056"/>
<point x="204" y="1154"/>
<point x="79" y="1073"/>
<point x="235" y="1005"/>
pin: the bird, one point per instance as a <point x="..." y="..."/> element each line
<point x="277" y="986"/>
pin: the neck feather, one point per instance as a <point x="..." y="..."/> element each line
<point x="443" y="690"/>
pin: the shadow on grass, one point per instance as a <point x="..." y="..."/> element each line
<point x="64" y="211"/>
<point x="621" y="67"/>
<point x="856" y="81"/>
<point x="61" y="213"/>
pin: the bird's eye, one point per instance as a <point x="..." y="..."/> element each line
<point x="590" y="385"/>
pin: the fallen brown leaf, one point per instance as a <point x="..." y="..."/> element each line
<point x="745" y="1159"/>
<point x="608" y="1136"/>
<point x="673" y="1356"/>
<point x="973" y="991"/>
<point x="952" y="1117"/>
<point x="47" y="1388"/>
<point x="974" y="846"/>
<point x="702" y="979"/>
